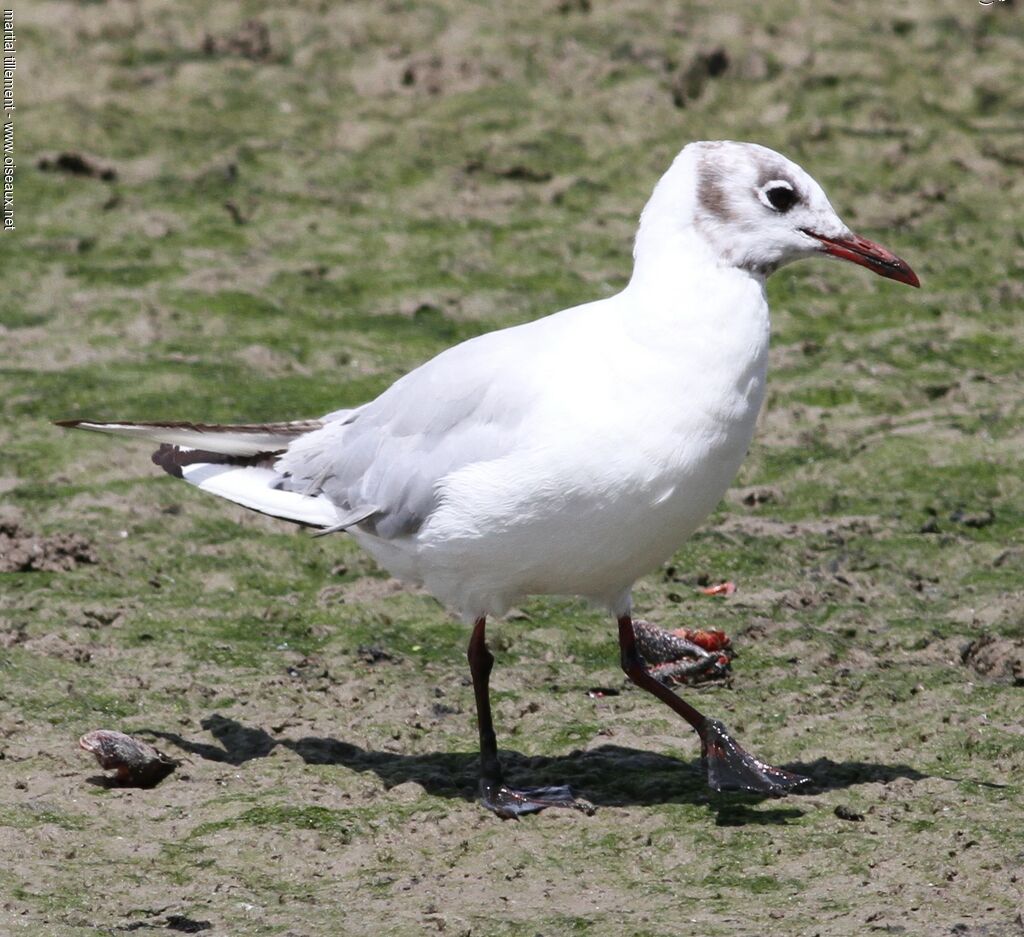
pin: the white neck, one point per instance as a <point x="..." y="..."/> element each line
<point x="684" y="297"/>
<point x="674" y="265"/>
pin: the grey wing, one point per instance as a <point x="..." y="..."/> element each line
<point x="390" y="456"/>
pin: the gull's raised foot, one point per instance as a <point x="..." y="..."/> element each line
<point x="509" y="803"/>
<point x="730" y="767"/>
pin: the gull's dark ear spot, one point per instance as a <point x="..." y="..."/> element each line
<point x="711" y="191"/>
<point x="778" y="195"/>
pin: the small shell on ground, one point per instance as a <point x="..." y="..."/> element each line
<point x="135" y="763"/>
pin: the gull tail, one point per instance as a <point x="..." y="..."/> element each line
<point x="235" y="462"/>
<point x="240" y="440"/>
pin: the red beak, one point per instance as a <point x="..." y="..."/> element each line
<point x="868" y="254"/>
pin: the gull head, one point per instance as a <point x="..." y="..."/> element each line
<point x="755" y="210"/>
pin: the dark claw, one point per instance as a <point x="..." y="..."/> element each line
<point x="509" y="804"/>
<point x="731" y="768"/>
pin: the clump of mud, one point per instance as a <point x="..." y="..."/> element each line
<point x="76" y="164"/>
<point x="22" y="551"/>
<point x="998" y="658"/>
<point x="250" y="41"/>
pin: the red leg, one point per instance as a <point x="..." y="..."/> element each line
<point x="494" y="793"/>
<point x="728" y="765"/>
<point x="481" y="660"/>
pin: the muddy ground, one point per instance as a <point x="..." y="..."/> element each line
<point x="255" y="212"/>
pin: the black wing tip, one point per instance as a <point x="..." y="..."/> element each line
<point x="168" y="457"/>
<point x="69" y="424"/>
<point x="172" y="459"/>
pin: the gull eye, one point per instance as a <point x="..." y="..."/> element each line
<point x="779" y="196"/>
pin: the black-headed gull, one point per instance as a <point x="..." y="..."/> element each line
<point x="570" y="455"/>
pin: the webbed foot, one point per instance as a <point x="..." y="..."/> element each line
<point x="730" y="767"/>
<point x="509" y="803"/>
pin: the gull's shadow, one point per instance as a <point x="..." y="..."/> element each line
<point x="238" y="743"/>
<point x="608" y="776"/>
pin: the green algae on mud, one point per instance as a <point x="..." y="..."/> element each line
<point x="288" y="233"/>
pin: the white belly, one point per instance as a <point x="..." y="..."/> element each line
<point x="588" y="519"/>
